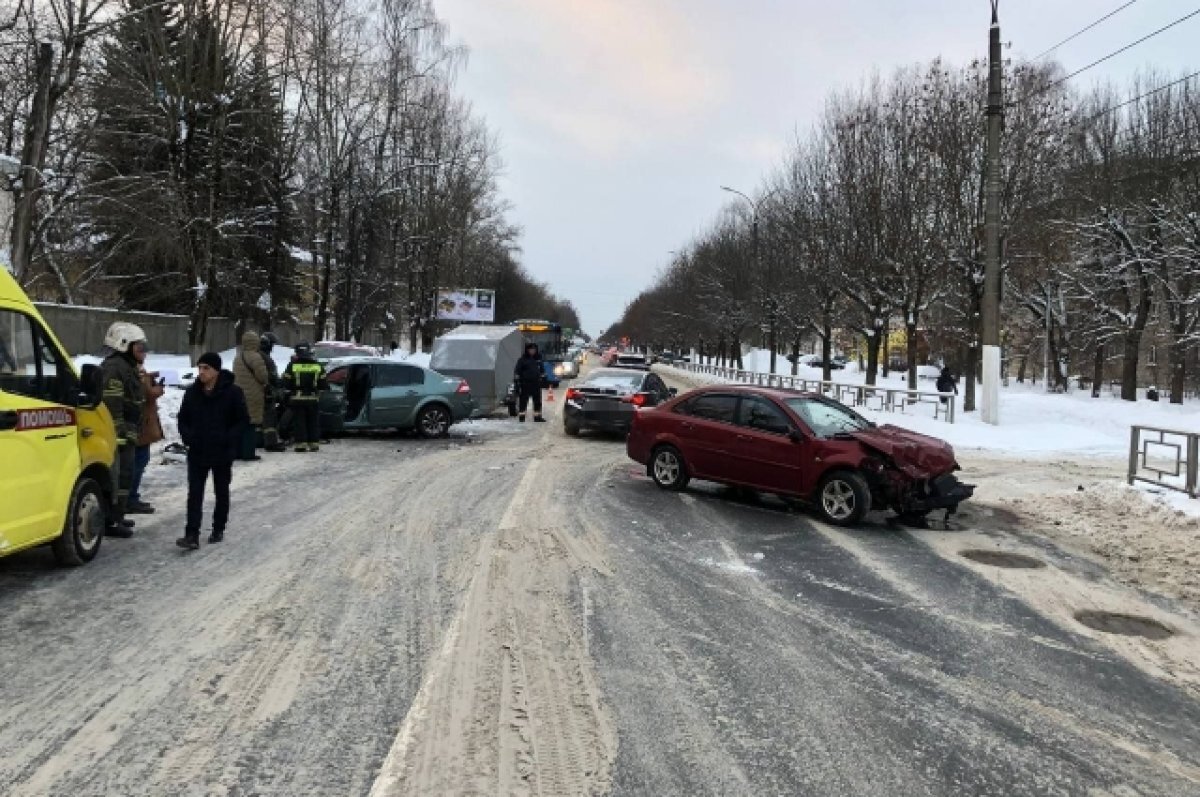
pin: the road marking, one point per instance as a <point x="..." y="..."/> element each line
<point x="392" y="772"/>
<point x="512" y="515"/>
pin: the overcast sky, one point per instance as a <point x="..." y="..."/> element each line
<point x="619" y="119"/>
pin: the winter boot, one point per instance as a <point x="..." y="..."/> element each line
<point x="189" y="542"/>
<point x="139" y="508"/>
<point x="538" y="419"/>
<point x="521" y="418"/>
<point x="216" y="536"/>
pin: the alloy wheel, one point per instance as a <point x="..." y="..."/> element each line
<point x="838" y="499"/>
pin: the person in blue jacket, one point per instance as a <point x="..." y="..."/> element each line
<point x="211" y="420"/>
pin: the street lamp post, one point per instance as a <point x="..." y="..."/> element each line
<point x="772" y="315"/>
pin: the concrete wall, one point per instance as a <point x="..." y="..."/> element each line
<point x="81" y="329"/>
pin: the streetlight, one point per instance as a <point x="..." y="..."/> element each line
<point x="771" y="308"/>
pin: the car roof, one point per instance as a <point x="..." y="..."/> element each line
<point x="758" y="390"/>
<point x="360" y="359"/>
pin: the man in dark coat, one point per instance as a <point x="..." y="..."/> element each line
<point x="270" y="424"/>
<point x="946" y="383"/>
<point x="528" y="375"/>
<point x="211" y="422"/>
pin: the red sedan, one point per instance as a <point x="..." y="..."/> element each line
<point x="796" y="445"/>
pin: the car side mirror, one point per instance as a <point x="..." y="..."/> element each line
<point x="91" y="386"/>
<point x="794" y="435"/>
<point x="673" y="391"/>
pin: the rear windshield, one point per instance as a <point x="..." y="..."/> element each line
<point x="613" y="380"/>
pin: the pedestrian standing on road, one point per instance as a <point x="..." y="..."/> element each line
<point x="528" y="374"/>
<point x="151" y="431"/>
<point x="304" y="379"/>
<point x="946" y="383"/>
<point x="123" y="397"/>
<point x="270" y="420"/>
<point x="212" y="420"/>
<point x="251" y="375"/>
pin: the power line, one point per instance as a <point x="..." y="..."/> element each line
<point x="1082" y="31"/>
<point x="1141" y="96"/>
<point x="1115" y="53"/>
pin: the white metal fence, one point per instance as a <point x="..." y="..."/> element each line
<point x="1165" y="457"/>
<point x="875" y="397"/>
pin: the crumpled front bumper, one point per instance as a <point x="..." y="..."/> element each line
<point x="942" y="492"/>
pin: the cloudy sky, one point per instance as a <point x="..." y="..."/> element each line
<point x="619" y="119"/>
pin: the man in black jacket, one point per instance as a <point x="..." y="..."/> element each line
<point x="211" y="422"/>
<point x="528" y="375"/>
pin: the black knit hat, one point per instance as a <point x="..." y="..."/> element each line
<point x="211" y="359"/>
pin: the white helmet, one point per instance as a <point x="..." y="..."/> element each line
<point x="121" y="335"/>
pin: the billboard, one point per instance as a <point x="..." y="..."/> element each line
<point x="465" y="304"/>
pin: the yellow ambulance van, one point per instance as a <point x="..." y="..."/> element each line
<point x="57" y="440"/>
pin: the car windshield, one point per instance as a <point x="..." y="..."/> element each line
<point x="827" y="418"/>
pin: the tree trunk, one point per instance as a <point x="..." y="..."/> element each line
<point x="795" y="355"/>
<point x="970" y="366"/>
<point x="872" y="357"/>
<point x="1098" y="371"/>
<point x="736" y="353"/>
<point x="910" y="346"/>
<point x="1129" y="365"/>
<point x="1021" y="369"/>
<point x="1177" y="360"/>
<point x="33" y="161"/>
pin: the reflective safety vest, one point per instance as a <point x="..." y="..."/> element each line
<point x="305" y="380"/>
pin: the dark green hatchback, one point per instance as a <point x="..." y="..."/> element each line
<point x="374" y="393"/>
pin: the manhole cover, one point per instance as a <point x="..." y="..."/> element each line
<point x="1124" y="624"/>
<point x="1002" y="559"/>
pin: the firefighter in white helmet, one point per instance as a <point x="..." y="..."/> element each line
<point x="123" y="395"/>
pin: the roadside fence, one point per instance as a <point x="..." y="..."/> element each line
<point x="1164" y="457"/>
<point x="873" y="397"/>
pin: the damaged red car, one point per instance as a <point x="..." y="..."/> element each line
<point x="796" y="445"/>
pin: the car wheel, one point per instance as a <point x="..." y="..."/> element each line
<point x="571" y="428"/>
<point x="434" y="421"/>
<point x="667" y="468"/>
<point x="843" y="498"/>
<point x="84" y="527"/>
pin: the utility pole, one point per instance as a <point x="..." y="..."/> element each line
<point x="991" y="218"/>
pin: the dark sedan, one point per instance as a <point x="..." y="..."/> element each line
<point x="796" y="445"/>
<point x="608" y="399"/>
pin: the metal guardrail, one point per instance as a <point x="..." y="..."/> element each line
<point x="1164" y="457"/>
<point x="875" y="397"/>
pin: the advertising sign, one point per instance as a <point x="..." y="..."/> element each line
<point x="465" y="304"/>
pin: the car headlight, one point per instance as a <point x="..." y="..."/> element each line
<point x="558" y="370"/>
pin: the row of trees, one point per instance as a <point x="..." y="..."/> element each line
<point x="252" y="158"/>
<point x="876" y="220"/>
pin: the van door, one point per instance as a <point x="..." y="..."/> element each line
<point x="39" y="453"/>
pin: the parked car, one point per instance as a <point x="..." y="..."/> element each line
<point x="630" y="360"/>
<point x="326" y="350"/>
<point x="374" y="393"/>
<point x="608" y="398"/>
<point x="796" y="445"/>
